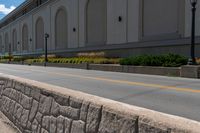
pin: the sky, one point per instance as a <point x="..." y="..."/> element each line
<point x="7" y="6"/>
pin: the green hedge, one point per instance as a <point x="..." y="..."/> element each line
<point x="168" y="60"/>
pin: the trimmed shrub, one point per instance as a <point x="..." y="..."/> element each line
<point x="167" y="60"/>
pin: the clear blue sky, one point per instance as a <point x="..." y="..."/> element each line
<point x="7" y="5"/>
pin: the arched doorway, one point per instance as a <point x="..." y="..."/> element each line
<point x="25" y="38"/>
<point x="96" y="13"/>
<point x="61" y="36"/>
<point x="39" y="34"/>
<point x="14" y="40"/>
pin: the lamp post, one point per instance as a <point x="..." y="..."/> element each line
<point x="46" y="37"/>
<point x="192" y="60"/>
<point x="9" y="53"/>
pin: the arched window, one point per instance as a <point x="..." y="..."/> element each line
<point x="39" y="34"/>
<point x="61" y="36"/>
<point x="1" y="45"/>
<point x="14" y="40"/>
<point x="96" y="22"/>
<point x="25" y="38"/>
<point x="6" y="43"/>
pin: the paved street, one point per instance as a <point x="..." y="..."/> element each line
<point x="172" y="95"/>
<point x="6" y="126"/>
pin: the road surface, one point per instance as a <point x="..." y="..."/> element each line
<point x="172" y="95"/>
<point x="6" y="126"/>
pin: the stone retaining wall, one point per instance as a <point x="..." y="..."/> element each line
<point x="167" y="71"/>
<point x="41" y="108"/>
<point x="190" y="71"/>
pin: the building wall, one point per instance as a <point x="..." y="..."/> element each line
<point x="188" y="19"/>
<point x="125" y="22"/>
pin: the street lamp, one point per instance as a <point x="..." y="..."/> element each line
<point x="192" y="60"/>
<point x="9" y="53"/>
<point x="46" y="37"/>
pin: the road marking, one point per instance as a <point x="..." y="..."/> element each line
<point x="119" y="81"/>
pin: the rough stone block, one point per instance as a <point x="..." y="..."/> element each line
<point x="84" y="110"/>
<point x="17" y="106"/>
<point x="7" y="92"/>
<point x="44" y="131"/>
<point x="24" y="118"/>
<point x="70" y="112"/>
<point x="2" y="82"/>
<point x="55" y="108"/>
<point x="75" y="103"/>
<point x="1" y="90"/>
<point x="19" y="87"/>
<point x="146" y="128"/>
<point x="78" y="127"/>
<point x="113" y="122"/>
<point x="39" y="128"/>
<point x="62" y="100"/>
<point x="46" y="122"/>
<point x="93" y="118"/>
<point x="13" y="94"/>
<point x="27" y="131"/>
<point x="18" y="96"/>
<point x="60" y="124"/>
<point x="12" y="107"/>
<point x="28" y="91"/>
<point x="26" y="101"/>
<point x="3" y="98"/>
<point x="45" y="105"/>
<point x="33" y="111"/>
<point x="19" y="112"/>
<point x="35" y="94"/>
<point x="7" y="104"/>
<point x="67" y="125"/>
<point x="52" y="125"/>
<point x="34" y="126"/>
<point x="39" y="117"/>
<point x="29" y="125"/>
<point x="9" y="83"/>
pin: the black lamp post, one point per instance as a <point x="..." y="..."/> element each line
<point x="192" y="60"/>
<point x="46" y="59"/>
<point x="9" y="52"/>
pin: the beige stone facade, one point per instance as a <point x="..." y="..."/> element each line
<point x="117" y="27"/>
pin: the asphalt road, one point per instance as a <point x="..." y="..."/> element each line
<point x="172" y="95"/>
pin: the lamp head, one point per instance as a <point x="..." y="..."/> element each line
<point x="46" y="35"/>
<point x="193" y="2"/>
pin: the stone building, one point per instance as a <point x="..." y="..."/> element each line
<point x="116" y="27"/>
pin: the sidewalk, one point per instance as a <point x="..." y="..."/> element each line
<point x="6" y="126"/>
